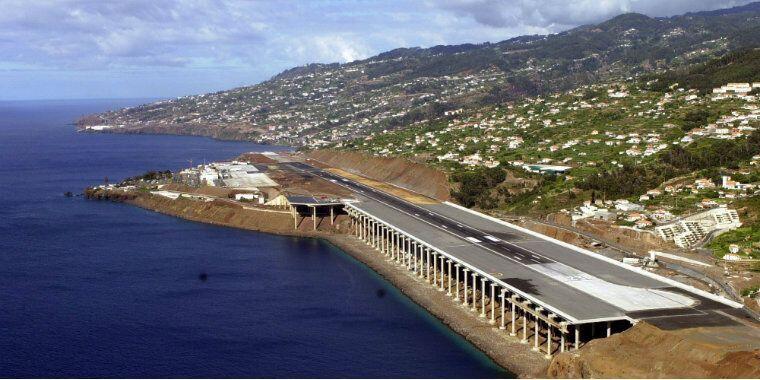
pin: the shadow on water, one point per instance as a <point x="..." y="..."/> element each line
<point x="389" y="289"/>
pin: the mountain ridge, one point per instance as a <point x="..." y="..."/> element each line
<point x="317" y="104"/>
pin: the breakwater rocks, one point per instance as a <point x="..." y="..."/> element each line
<point x="108" y="194"/>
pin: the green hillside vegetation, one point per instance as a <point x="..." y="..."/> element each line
<point x="740" y="66"/>
<point x="620" y="139"/>
<point x="746" y="237"/>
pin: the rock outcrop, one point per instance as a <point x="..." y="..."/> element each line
<point x="645" y="351"/>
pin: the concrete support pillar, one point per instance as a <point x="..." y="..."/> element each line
<point x="392" y="240"/>
<point x="368" y="231"/>
<point x="383" y="240"/>
<point x="421" y="266"/>
<point x="403" y="250"/>
<point x="373" y="233"/>
<point x="577" y="330"/>
<point x="314" y="217"/>
<point x="377" y="236"/>
<point x="493" y="304"/>
<point x="448" y="288"/>
<point x="474" y="292"/>
<point x="443" y="271"/>
<point x="395" y="242"/>
<point x="389" y="250"/>
<point x="389" y="243"/>
<point x="548" y="340"/>
<point x="408" y="254"/>
<point x="427" y="265"/>
<point x="415" y="264"/>
<point x="503" y="303"/>
<point x="332" y="216"/>
<point x="435" y="270"/>
<point x="483" y="297"/>
<point x="562" y="341"/>
<point x="397" y="254"/>
<point x="535" y="334"/>
<point x="456" y="297"/>
<point x="464" y="296"/>
<point x="609" y="329"/>
<point x="403" y="247"/>
<point x="514" y="328"/>
<point x="524" y="327"/>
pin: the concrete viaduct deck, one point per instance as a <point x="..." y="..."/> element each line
<point x="556" y="294"/>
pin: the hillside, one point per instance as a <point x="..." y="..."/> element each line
<point x="320" y="104"/>
<point x="740" y="66"/>
<point x="647" y="152"/>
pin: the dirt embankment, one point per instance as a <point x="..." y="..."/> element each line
<point x="645" y="351"/>
<point x="630" y="239"/>
<point x="228" y="213"/>
<point x="397" y="171"/>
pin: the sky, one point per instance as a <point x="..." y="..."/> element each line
<point x="86" y="49"/>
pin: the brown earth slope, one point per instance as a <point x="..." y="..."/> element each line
<point x="397" y="171"/>
<point x="644" y="351"/>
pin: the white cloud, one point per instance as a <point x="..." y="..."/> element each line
<point x="557" y="15"/>
<point x="213" y="44"/>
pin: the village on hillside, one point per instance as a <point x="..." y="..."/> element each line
<point x="603" y="128"/>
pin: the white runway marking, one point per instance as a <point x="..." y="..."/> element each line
<point x="627" y="298"/>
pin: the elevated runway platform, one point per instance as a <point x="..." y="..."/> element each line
<point x="557" y="286"/>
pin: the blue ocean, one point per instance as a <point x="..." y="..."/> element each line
<point x="100" y="289"/>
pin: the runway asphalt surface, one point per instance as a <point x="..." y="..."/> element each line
<point x="580" y="288"/>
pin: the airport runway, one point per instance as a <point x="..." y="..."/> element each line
<point x="581" y="287"/>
